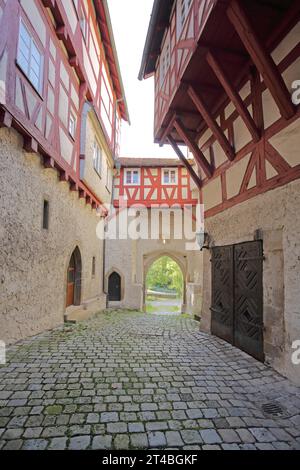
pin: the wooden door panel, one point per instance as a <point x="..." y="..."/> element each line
<point x="222" y="300"/>
<point x="248" y="327"/>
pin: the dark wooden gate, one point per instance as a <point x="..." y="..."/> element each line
<point x="114" y="287"/>
<point x="237" y="296"/>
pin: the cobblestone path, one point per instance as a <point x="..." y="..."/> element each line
<point x="130" y="380"/>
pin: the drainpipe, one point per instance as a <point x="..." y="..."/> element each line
<point x="117" y="165"/>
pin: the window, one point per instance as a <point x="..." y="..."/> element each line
<point x="29" y="58"/>
<point x="132" y="177"/>
<point x="108" y="179"/>
<point x="97" y="158"/>
<point x="72" y="125"/>
<point x="169" y="176"/>
<point x="84" y="25"/>
<point x="46" y="215"/>
<point x="184" y="8"/>
<point x="93" y="266"/>
<point x="165" y="61"/>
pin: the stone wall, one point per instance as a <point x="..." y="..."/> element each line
<point x="276" y="213"/>
<point x="132" y="259"/>
<point x="34" y="261"/>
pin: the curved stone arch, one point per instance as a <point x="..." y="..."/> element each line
<point x="107" y="275"/>
<point x="179" y="258"/>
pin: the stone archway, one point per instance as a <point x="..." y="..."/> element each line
<point x="181" y="261"/>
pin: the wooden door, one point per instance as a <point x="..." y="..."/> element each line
<point x="248" y="298"/>
<point x="222" y="293"/>
<point x="71" y="282"/>
<point x="114" y="287"/>
<point x="237" y="296"/>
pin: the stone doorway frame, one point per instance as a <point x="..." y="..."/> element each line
<point x="179" y="258"/>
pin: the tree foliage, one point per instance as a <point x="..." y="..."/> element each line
<point x="165" y="274"/>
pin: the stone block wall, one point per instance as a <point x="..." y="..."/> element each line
<point x="276" y="214"/>
<point x="34" y="261"/>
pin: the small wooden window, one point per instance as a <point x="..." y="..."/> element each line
<point x="72" y="125"/>
<point x="29" y="58"/>
<point x="93" y="266"/>
<point x="46" y="215"/>
<point x="97" y="157"/>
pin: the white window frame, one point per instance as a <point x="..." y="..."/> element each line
<point x="165" y="60"/>
<point x="26" y="63"/>
<point x="169" y="170"/>
<point x="97" y="157"/>
<point x="72" y="125"/>
<point x="84" y="24"/>
<point x="132" y="170"/>
<point x="183" y="8"/>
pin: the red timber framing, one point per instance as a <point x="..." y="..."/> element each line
<point x="70" y="74"/>
<point x="151" y="191"/>
<point x="237" y="62"/>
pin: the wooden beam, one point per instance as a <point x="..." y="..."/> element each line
<point x="63" y="176"/>
<point x="233" y="95"/>
<point x="198" y="155"/>
<point x="261" y="58"/>
<point x="188" y="166"/>
<point x="5" y="118"/>
<point x="48" y="162"/>
<point x="30" y="145"/>
<point x="212" y="124"/>
<point x="168" y="130"/>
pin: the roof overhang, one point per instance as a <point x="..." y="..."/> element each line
<point x="107" y="36"/>
<point x="159" y="21"/>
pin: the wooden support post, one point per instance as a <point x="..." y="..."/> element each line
<point x="188" y="166"/>
<point x="261" y="58"/>
<point x="212" y="124"/>
<point x="198" y="155"/>
<point x="233" y="95"/>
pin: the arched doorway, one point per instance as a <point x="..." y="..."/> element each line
<point x="164" y="286"/>
<point x="74" y="279"/>
<point x="114" y="287"/>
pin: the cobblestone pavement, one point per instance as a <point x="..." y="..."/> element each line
<point x="130" y="380"/>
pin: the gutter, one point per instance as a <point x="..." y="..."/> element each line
<point x="150" y="32"/>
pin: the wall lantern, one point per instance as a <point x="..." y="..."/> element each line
<point x="203" y="240"/>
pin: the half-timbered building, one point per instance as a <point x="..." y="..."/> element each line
<point x="154" y="196"/>
<point x="226" y="86"/>
<point x="61" y="106"/>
